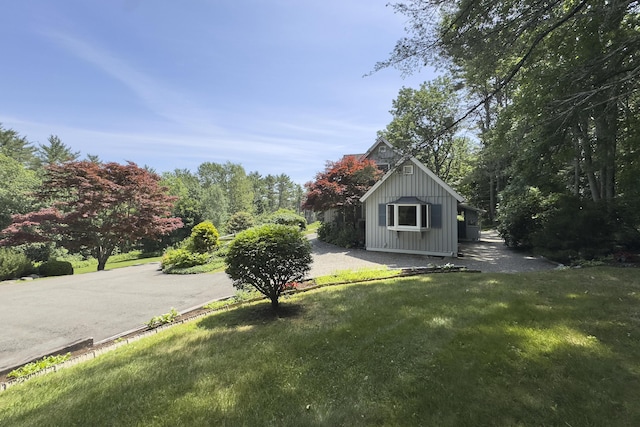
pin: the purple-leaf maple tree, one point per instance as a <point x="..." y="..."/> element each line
<point x="341" y="185"/>
<point x="97" y="207"/>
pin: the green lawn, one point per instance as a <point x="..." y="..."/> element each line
<point x="557" y="348"/>
<point x="92" y="265"/>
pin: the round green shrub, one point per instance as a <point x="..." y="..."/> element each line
<point x="240" y="221"/>
<point x="287" y="217"/>
<point x="268" y="258"/>
<point x="14" y="264"/>
<point x="204" y="238"/>
<point x="55" y="268"/>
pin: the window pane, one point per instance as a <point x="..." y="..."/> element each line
<point x="423" y="216"/>
<point x="408" y="215"/>
<point x="391" y="216"/>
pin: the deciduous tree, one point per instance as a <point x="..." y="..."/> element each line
<point x="341" y="185"/>
<point x="97" y="207"/>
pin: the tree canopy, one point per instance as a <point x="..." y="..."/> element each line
<point x="341" y="184"/>
<point x="96" y="207"/>
<point x="553" y="89"/>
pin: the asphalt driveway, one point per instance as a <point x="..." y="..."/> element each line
<point x="40" y="316"/>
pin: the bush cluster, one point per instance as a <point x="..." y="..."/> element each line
<point x="195" y="250"/>
<point x="342" y="235"/>
<point x="563" y="227"/>
<point x="55" y="268"/>
<point x="183" y="258"/>
<point x="14" y="264"/>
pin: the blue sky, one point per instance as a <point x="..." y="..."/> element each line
<point x="276" y="85"/>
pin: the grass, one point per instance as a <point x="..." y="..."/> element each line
<point x="553" y="348"/>
<point x="114" y="261"/>
<point x="361" y="275"/>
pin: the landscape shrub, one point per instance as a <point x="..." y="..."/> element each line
<point x="204" y="238"/>
<point x="519" y="213"/>
<point x="55" y="268"/>
<point x="573" y="228"/>
<point x="287" y="217"/>
<point x="342" y="235"/>
<point x="240" y="221"/>
<point x="14" y="264"/>
<point x="183" y="258"/>
<point x="268" y="258"/>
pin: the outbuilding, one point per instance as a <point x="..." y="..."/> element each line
<point x="411" y="210"/>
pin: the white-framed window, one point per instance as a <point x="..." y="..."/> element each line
<point x="408" y="216"/>
<point x="407" y="169"/>
<point x="382" y="149"/>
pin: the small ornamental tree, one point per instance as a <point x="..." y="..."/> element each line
<point x="268" y="257"/>
<point x="341" y="185"/>
<point x="97" y="207"/>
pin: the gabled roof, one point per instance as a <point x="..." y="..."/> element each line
<point x="416" y="162"/>
<point x="375" y="144"/>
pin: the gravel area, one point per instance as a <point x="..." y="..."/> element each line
<point x="489" y="254"/>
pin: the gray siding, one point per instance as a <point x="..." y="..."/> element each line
<point x="441" y="241"/>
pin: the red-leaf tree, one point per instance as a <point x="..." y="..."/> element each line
<point x="97" y="207"/>
<point x="341" y="185"/>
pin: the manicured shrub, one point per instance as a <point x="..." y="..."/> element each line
<point x="55" y="268"/>
<point x="268" y="258"/>
<point x="14" y="264"/>
<point x="183" y="258"/>
<point x="287" y="217"/>
<point x="204" y="238"/>
<point x="240" y="221"/>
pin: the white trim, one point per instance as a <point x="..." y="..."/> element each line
<point x="412" y="252"/>
<point x="418" y="209"/>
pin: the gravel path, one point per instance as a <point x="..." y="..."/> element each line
<point x="489" y="254"/>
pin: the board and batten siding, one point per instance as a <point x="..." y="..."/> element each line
<point x="441" y="240"/>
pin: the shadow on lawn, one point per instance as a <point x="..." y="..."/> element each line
<point x="252" y="315"/>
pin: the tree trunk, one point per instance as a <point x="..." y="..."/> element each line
<point x="102" y="262"/>
<point x="102" y="255"/>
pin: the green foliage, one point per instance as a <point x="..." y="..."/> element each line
<point x="163" y="319"/>
<point x="519" y="215"/>
<point x="14" y="264"/>
<point x="339" y="234"/>
<point x="183" y="258"/>
<point x="571" y="228"/>
<point x="55" y="268"/>
<point x="204" y="238"/>
<point x="287" y="217"/>
<point x="17" y="186"/>
<point x="267" y="258"/>
<point x="38" y="365"/>
<point x="240" y="221"/>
